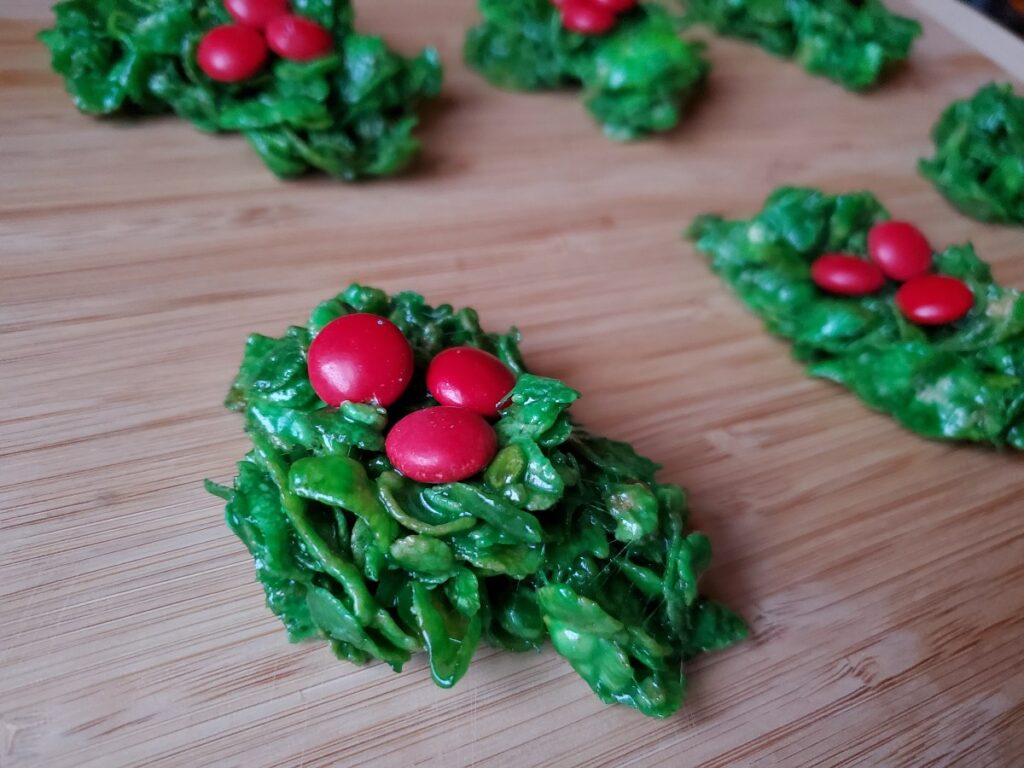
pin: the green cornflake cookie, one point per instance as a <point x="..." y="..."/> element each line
<point x="979" y="155"/>
<point x="959" y="381"/>
<point x="853" y="42"/>
<point x="564" y="536"/>
<point x="636" y="79"/>
<point x="350" y="113"/>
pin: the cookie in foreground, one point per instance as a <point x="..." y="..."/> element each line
<point x="411" y="488"/>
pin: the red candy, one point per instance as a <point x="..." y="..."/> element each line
<point x="297" y="38"/>
<point x="361" y="358"/>
<point x="934" y="299"/>
<point x="900" y="249"/>
<point x="256" y="13"/>
<point x="586" y="17"/>
<point x="231" y="53"/>
<point x="466" y="377"/>
<point x="615" y="6"/>
<point x="441" y="445"/>
<point x="846" y="275"/>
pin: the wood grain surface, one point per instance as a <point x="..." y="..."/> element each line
<point x="883" y="575"/>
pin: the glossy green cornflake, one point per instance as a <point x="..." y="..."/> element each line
<point x="963" y="381"/>
<point x="979" y="155"/>
<point x="853" y="42"/>
<point x="350" y="114"/>
<point x="635" y="80"/>
<point x="565" y="536"/>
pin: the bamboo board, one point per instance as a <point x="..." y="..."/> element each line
<point x="883" y="575"/>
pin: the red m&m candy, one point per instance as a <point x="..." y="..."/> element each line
<point x="846" y="275"/>
<point x="586" y="17"/>
<point x="298" y="38"/>
<point x="231" y="53"/>
<point x="900" y="250"/>
<point x="256" y="13"/>
<point x="362" y="358"/>
<point x="934" y="299"/>
<point x="441" y="444"/>
<point x="467" y="377"/>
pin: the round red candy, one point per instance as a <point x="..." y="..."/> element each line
<point x="934" y="299"/>
<point x="361" y="358"/>
<point x="256" y="13"/>
<point x="586" y="17"/>
<point x="467" y="377"/>
<point x="846" y="275"/>
<point x="231" y="53"/>
<point x="298" y="38"/>
<point x="441" y="444"/>
<point x="900" y="249"/>
<point x="615" y="6"/>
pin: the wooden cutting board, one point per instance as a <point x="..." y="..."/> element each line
<point x="883" y="575"/>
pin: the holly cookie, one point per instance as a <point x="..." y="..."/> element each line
<point x="636" y="74"/>
<point x="852" y="42"/>
<point x="412" y="488"/>
<point x="979" y="155"/>
<point x="925" y="336"/>
<point x="306" y="91"/>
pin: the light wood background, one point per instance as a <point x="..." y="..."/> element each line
<point x="883" y="575"/>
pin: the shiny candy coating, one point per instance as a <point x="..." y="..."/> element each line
<point x="256" y="13"/>
<point x="298" y="38"/>
<point x="586" y="17"/>
<point x="360" y="358"/>
<point x="441" y="444"/>
<point x="846" y="275"/>
<point x="467" y="377"/>
<point x="900" y="249"/>
<point x="231" y="53"/>
<point x="934" y="299"/>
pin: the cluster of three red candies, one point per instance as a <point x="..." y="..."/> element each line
<point x="899" y="251"/>
<point x="364" y="358"/>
